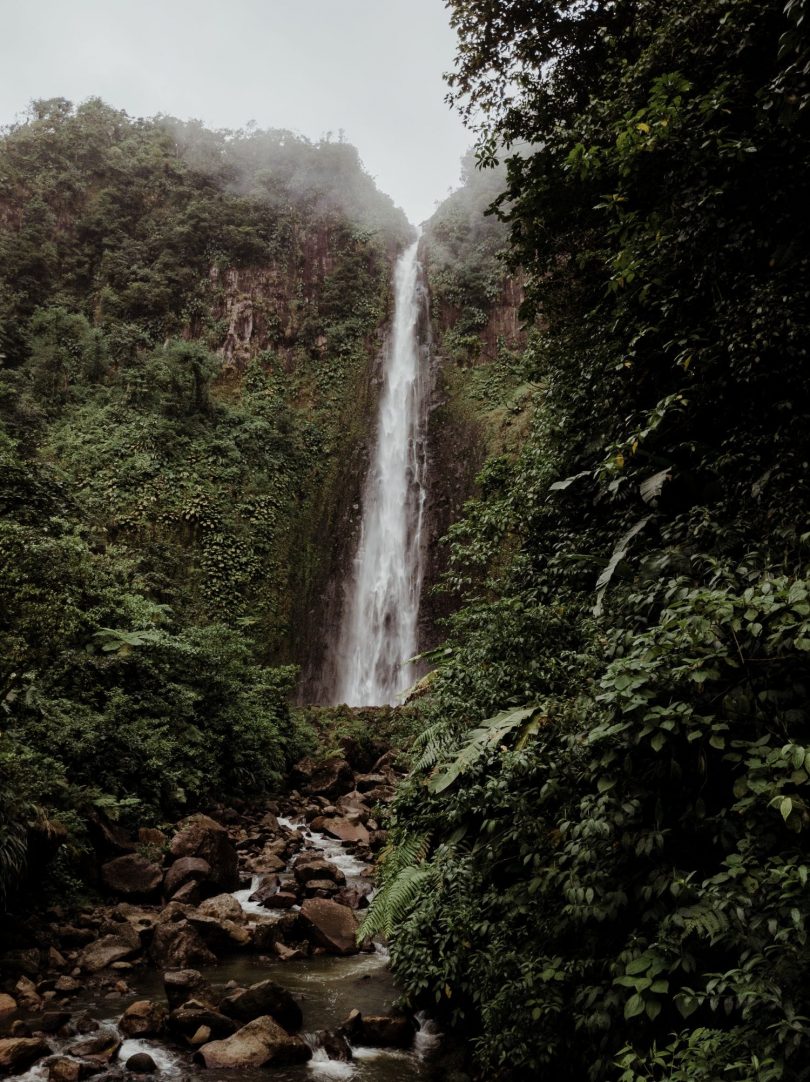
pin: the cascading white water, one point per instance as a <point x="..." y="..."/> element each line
<point x="379" y="626"/>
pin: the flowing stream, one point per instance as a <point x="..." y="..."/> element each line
<point x="379" y="627"/>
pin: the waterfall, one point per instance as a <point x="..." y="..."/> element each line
<point x="379" y="624"/>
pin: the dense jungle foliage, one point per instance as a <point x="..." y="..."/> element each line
<point x="600" y="867"/>
<point x="159" y="468"/>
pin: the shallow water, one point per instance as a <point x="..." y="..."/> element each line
<point x="327" y="988"/>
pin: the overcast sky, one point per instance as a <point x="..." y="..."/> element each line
<point x="371" y="67"/>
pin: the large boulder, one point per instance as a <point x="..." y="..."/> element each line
<point x="344" y="829"/>
<point x="67" y="1069"/>
<point x="261" y="1043"/>
<point x="18" y="1053"/>
<point x="330" y="925"/>
<point x="143" y="1018"/>
<point x="378" y="1030"/>
<point x="177" y="945"/>
<point x="332" y="777"/>
<point x="223" y="907"/>
<point x="132" y="876"/>
<point x="304" y="871"/>
<point x="206" y="839"/>
<point x="267" y="997"/>
<point x="184" y="871"/>
<point x="101" y="1048"/>
<point x="191" y="1016"/>
<point x="181" y="985"/>
<point x="103" y="952"/>
<point x="219" y="935"/>
<point x="8" y="1008"/>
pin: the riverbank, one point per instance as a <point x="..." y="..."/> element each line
<point x="229" y="942"/>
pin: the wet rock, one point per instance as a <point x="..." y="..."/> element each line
<point x="268" y="885"/>
<point x="102" y="1048"/>
<point x="320" y="888"/>
<point x="8" y="1008"/>
<point x="143" y="1018"/>
<point x="103" y="952"/>
<point x="141" y="921"/>
<point x="261" y="1043"/>
<point x="364" y="782"/>
<point x="287" y="954"/>
<point x="355" y="897"/>
<point x="305" y="870"/>
<point x="330" y="778"/>
<point x="27" y="962"/>
<point x="53" y="1021"/>
<point x="67" y="1069"/>
<point x="219" y="935"/>
<point x="265" y="998"/>
<point x="177" y="945"/>
<point x="67" y="986"/>
<point x="268" y="861"/>
<point x="25" y="992"/>
<point x="269" y="822"/>
<point x="378" y="1031"/>
<point x="330" y="925"/>
<point x="18" y="1053"/>
<point x="335" y="1045"/>
<point x="152" y="836"/>
<point x="181" y="985"/>
<point x="71" y="936"/>
<point x="188" y="1019"/>
<point x="345" y="830"/>
<point x="184" y="871"/>
<point x="56" y="960"/>
<point x="141" y="1063"/>
<point x="132" y="876"/>
<point x="223" y="907"/>
<point x="282" y="899"/>
<point x="109" y="839"/>
<point x="202" y="1036"/>
<point x="189" y="894"/>
<point x="206" y="839"/>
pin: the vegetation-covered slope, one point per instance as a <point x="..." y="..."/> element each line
<point x="601" y="869"/>
<point x="188" y="323"/>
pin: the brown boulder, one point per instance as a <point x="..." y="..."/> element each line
<point x="318" y="869"/>
<point x="379" y="1031"/>
<point x="206" y="839"/>
<point x="132" y="876"/>
<point x="183" y="871"/>
<point x="178" y="946"/>
<point x="345" y="830"/>
<point x="143" y="1019"/>
<point x="191" y="1016"/>
<point x="282" y="899"/>
<point x="181" y="985"/>
<point x="267" y="997"/>
<point x="330" y="925"/>
<point x="67" y="1069"/>
<point x="261" y="1043"/>
<point x="18" y="1053"/>
<point x="223" y="907"/>
<point x="8" y="1008"/>
<point x="102" y="1048"/>
<point x="332" y="777"/>
<point x="103" y="952"/>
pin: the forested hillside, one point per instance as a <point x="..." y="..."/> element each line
<point x="189" y="322"/>
<point x="601" y="858"/>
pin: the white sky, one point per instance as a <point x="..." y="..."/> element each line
<point x="371" y="67"/>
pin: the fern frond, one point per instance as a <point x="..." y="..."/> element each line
<point x="394" y="902"/>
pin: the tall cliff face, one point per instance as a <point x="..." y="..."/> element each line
<point x="190" y="325"/>
<point x="480" y="402"/>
